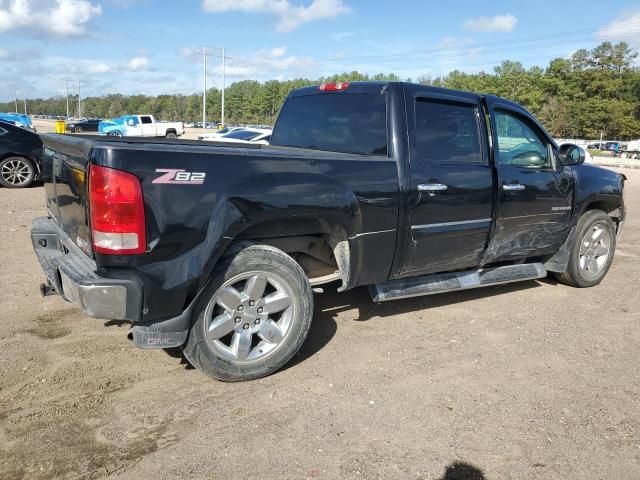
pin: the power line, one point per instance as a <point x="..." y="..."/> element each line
<point x="453" y="54"/>
<point x="441" y="51"/>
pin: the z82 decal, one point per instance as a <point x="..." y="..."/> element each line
<point x="177" y="176"/>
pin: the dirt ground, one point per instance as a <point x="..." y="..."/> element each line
<point x="525" y="381"/>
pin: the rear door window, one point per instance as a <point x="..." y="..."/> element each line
<point x="146" y="120"/>
<point x="344" y="122"/>
<point x="447" y="132"/>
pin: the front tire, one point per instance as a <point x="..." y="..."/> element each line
<point x="592" y="251"/>
<point x="78" y="130"/>
<point x="16" y="172"/>
<point x="252" y="317"/>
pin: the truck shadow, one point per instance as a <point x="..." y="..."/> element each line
<point x="331" y="303"/>
<point x="462" y="471"/>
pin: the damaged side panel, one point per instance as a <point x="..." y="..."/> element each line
<point x="513" y="239"/>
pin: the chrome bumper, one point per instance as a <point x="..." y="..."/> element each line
<point x="72" y="274"/>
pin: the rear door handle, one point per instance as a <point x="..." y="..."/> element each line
<point x="512" y="187"/>
<point x="432" y="187"/>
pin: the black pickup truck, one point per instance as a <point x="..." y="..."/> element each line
<point x="408" y="189"/>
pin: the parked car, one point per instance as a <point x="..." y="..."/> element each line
<point x="403" y="188"/>
<point x="89" y="125"/>
<point x="239" y="135"/>
<point x="20" y="154"/>
<point x="218" y="133"/>
<point x="18" y="119"/>
<point x="140" y="126"/>
<point x="613" y="147"/>
<point x="244" y="136"/>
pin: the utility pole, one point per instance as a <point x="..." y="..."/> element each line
<point x="204" y="89"/>
<point x="223" y="86"/>
<point x="66" y="81"/>
<point x="15" y="91"/>
<point x="224" y="57"/>
<point x="24" y="99"/>
<point x="79" y="105"/>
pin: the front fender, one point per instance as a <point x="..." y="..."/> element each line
<point x="597" y="186"/>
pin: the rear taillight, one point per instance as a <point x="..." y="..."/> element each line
<point x="117" y="212"/>
<point x="332" y="87"/>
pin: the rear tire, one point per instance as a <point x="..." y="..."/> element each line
<point x="252" y="317"/>
<point x="171" y="135"/>
<point x="592" y="251"/>
<point x="16" y="172"/>
<point x="78" y="130"/>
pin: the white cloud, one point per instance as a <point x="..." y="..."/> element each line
<point x="289" y="16"/>
<point x="266" y="65"/>
<point x="624" y="28"/>
<point x="278" y="51"/>
<point x="138" y="63"/>
<point x="98" y="68"/>
<point x="60" y="18"/>
<point x="499" y="23"/>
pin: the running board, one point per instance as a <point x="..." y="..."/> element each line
<point x="451" y="282"/>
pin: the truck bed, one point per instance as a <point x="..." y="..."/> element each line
<point x="189" y="225"/>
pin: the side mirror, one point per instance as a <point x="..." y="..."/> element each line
<point x="571" y="154"/>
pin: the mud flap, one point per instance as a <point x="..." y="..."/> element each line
<point x="145" y="338"/>
<point x="164" y="334"/>
<point x="559" y="262"/>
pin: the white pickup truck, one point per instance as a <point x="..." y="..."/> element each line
<point x="631" y="150"/>
<point x="140" y="126"/>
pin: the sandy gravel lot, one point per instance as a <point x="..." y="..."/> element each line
<point x="526" y="381"/>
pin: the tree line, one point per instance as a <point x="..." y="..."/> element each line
<point x="591" y="93"/>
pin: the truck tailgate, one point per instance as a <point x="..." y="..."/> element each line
<point x="65" y="176"/>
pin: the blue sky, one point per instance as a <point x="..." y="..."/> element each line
<point x="153" y="46"/>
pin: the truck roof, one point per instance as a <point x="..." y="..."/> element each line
<point x="380" y="86"/>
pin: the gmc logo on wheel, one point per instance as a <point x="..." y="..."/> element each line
<point x="179" y="176"/>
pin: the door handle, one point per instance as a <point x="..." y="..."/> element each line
<point x="432" y="187"/>
<point x="513" y="187"/>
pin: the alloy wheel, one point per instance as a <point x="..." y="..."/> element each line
<point x="249" y="316"/>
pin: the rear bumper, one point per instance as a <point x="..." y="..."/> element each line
<point x="73" y="275"/>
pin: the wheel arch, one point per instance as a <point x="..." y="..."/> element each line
<point x="319" y="245"/>
<point x="612" y="206"/>
<point x="33" y="162"/>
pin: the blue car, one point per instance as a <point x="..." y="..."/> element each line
<point x="18" y="119"/>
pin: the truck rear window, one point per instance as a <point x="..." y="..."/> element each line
<point x="348" y="123"/>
